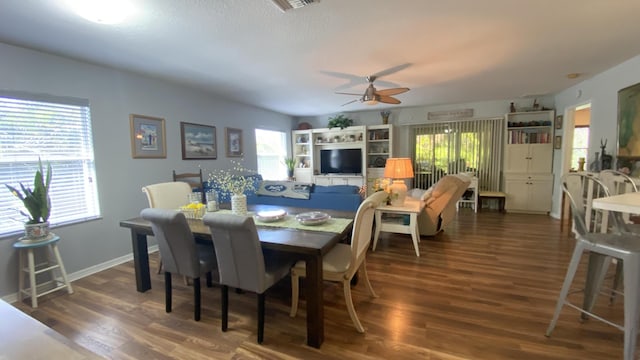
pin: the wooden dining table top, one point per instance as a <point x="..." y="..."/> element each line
<point x="627" y="203"/>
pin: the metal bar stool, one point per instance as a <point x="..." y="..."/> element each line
<point x="32" y="269"/>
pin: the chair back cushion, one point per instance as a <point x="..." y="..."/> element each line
<point x="168" y="195"/>
<point x="238" y="251"/>
<point x="175" y="240"/>
<point x="362" y="227"/>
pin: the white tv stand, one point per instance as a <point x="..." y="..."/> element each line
<point x="339" y="179"/>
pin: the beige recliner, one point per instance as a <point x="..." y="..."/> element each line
<point x="440" y="201"/>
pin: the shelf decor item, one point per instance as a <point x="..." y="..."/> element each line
<point x="385" y="116"/>
<point x="340" y="121"/>
<point x="37" y="203"/>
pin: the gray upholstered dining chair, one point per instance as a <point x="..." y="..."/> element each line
<point x="180" y="253"/>
<point x="343" y="261"/>
<point x="241" y="262"/>
<point x="601" y="247"/>
<point x="167" y="195"/>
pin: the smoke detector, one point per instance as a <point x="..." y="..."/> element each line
<point x="285" y="5"/>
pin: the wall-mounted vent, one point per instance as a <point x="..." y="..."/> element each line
<point x="285" y="5"/>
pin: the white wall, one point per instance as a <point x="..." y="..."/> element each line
<point x="602" y="91"/>
<point x="113" y="95"/>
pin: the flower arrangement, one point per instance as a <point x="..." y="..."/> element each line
<point x="35" y="200"/>
<point x="235" y="180"/>
<point x="384" y="184"/>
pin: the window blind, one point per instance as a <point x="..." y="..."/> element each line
<point x="473" y="146"/>
<point x="58" y="131"/>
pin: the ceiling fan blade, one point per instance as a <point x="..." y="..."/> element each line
<point x="396" y="91"/>
<point x="388" y="99"/>
<point x="350" y="102"/>
<point x="343" y="93"/>
<point x="392" y="70"/>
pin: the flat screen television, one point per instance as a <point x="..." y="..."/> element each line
<point x="341" y="161"/>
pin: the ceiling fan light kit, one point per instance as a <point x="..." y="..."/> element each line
<point x="372" y="96"/>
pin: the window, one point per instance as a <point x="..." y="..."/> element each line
<point x="57" y="130"/>
<point x="455" y="147"/>
<point x="271" y="147"/>
<point x="580" y="145"/>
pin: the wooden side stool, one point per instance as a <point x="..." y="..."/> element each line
<point x="493" y="195"/>
<point x="32" y="269"/>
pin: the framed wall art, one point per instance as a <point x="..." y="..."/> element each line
<point x="629" y="121"/>
<point x="557" y="143"/>
<point x="198" y="141"/>
<point x="559" y="121"/>
<point x="233" y="142"/>
<point x="148" y="137"/>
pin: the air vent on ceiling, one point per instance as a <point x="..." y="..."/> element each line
<point x="285" y="5"/>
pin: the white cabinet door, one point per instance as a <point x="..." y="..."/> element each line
<point x="323" y="180"/>
<point x="540" y="158"/>
<point x="540" y="195"/>
<point x="303" y="175"/>
<point x="516" y="158"/>
<point x="517" y="194"/>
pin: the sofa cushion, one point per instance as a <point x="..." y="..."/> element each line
<point x="288" y="189"/>
<point x="336" y="189"/>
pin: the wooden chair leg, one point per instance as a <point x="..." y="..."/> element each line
<point x="209" y="279"/>
<point x="261" y="298"/>
<point x="225" y="306"/>
<point x="167" y="291"/>
<point x="196" y="299"/>
<point x="346" y="284"/>
<point x="295" y="293"/>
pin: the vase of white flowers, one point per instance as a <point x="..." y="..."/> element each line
<point x="236" y="181"/>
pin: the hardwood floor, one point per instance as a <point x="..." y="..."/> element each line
<point x="484" y="289"/>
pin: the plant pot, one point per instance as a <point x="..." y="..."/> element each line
<point x="290" y="173"/>
<point x="239" y="204"/>
<point x="36" y="231"/>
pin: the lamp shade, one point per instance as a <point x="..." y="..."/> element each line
<point x="398" y="168"/>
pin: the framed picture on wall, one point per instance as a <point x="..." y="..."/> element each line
<point x="557" y="144"/>
<point x="148" y="137"/>
<point x="629" y="121"/>
<point x="559" y="122"/>
<point x="233" y="142"/>
<point x="198" y="141"/>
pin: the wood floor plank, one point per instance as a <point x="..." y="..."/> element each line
<point x="484" y="289"/>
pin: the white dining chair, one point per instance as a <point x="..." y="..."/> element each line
<point x="343" y="261"/>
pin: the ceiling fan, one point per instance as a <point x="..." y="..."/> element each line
<point x="373" y="96"/>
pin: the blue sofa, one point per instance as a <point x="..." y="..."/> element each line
<point x="334" y="197"/>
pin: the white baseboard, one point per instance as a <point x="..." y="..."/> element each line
<point x="11" y="298"/>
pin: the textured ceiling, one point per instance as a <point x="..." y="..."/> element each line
<point x="293" y="62"/>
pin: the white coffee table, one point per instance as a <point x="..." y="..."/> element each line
<point x="411" y="207"/>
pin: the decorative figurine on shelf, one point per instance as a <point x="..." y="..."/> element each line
<point x="595" y="164"/>
<point x="512" y="108"/>
<point x="536" y="105"/>
<point x="581" y="164"/>
<point x="605" y="159"/>
<point x="385" y="116"/>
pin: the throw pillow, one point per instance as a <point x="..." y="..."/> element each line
<point x="288" y="189"/>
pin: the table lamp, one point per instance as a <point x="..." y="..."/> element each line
<point x="398" y="168"/>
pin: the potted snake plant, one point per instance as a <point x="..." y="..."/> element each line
<point x="291" y="164"/>
<point x="37" y="203"/>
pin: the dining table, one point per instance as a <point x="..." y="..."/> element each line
<point x="308" y="243"/>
